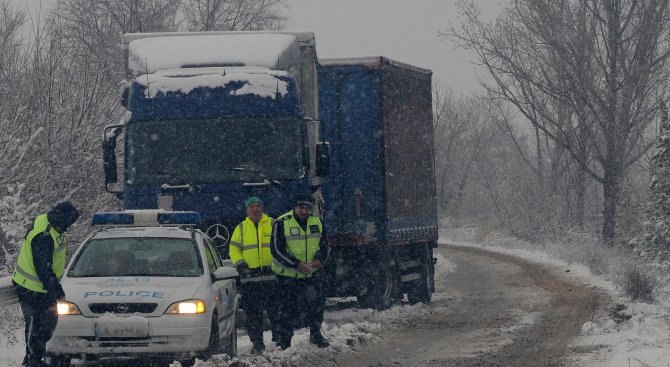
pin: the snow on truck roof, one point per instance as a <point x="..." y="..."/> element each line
<point x="376" y="62"/>
<point x="254" y="80"/>
<point x="151" y="52"/>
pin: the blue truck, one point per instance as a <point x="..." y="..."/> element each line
<point x="236" y="114"/>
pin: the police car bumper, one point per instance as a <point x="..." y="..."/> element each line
<point x="168" y="334"/>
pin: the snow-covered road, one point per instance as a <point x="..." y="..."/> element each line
<point x="489" y="309"/>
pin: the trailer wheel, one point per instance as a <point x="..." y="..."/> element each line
<point x="380" y="290"/>
<point x="421" y="289"/>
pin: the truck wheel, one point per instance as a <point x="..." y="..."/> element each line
<point x="230" y="344"/>
<point x="421" y="290"/>
<point x="380" y="290"/>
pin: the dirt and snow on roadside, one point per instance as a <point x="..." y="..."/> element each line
<point x="629" y="334"/>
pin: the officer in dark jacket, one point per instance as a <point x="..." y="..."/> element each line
<point x="40" y="266"/>
<point x="299" y="250"/>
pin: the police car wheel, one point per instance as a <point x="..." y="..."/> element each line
<point x="214" y="346"/>
<point x="230" y="345"/>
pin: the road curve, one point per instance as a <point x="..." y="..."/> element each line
<point x="493" y="310"/>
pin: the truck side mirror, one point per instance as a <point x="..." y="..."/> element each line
<point x="109" y="154"/>
<point x="322" y="159"/>
<point x="109" y="164"/>
<point x="125" y="91"/>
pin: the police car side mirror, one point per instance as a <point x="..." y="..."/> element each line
<point x="225" y="272"/>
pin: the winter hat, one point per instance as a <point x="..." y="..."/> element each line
<point x="251" y="200"/>
<point x="63" y="215"/>
<point x="302" y="199"/>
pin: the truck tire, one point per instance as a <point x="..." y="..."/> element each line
<point x="421" y="290"/>
<point x="380" y="290"/>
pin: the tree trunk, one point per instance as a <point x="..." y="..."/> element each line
<point x="610" y="193"/>
<point x="580" y="198"/>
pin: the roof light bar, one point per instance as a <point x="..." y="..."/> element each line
<point x="146" y="218"/>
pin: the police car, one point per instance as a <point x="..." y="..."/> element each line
<point x="146" y="284"/>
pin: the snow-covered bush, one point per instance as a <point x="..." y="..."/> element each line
<point x="16" y="214"/>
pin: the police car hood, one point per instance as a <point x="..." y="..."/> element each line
<point x="95" y="296"/>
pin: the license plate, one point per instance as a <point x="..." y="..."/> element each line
<point x="122" y="327"/>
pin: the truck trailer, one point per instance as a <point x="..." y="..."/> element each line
<point x="215" y="117"/>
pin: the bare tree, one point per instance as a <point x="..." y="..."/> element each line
<point x="603" y="60"/>
<point x="234" y="15"/>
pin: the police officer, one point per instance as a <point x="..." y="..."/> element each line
<point x="40" y="266"/>
<point x="299" y="250"/>
<point x="249" y="250"/>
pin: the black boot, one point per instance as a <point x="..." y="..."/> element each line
<point x="258" y="348"/>
<point x="35" y="362"/>
<point x="317" y="339"/>
<point x="284" y="343"/>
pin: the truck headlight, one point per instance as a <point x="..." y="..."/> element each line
<point x="191" y="306"/>
<point x="67" y="308"/>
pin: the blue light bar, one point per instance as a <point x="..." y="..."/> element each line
<point x="179" y="218"/>
<point x="112" y="219"/>
<point x="146" y="218"/>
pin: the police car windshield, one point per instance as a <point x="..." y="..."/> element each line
<point x="145" y="256"/>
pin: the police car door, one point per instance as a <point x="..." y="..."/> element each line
<point x="224" y="289"/>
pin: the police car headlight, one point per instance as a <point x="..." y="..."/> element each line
<point x="67" y="308"/>
<point x="191" y="306"/>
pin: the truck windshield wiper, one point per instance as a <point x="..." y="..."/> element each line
<point x="266" y="179"/>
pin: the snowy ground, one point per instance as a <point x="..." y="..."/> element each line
<point x="639" y="335"/>
<point x="636" y="336"/>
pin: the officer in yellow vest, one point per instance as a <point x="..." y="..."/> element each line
<point x="249" y="250"/>
<point x="40" y="265"/>
<point x="299" y="250"/>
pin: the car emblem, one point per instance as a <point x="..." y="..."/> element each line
<point x="122" y="308"/>
<point x="219" y="234"/>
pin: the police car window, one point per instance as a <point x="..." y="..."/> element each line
<point x="210" y="259"/>
<point x="215" y="254"/>
<point x="138" y="256"/>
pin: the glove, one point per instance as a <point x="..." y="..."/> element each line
<point x="58" y="292"/>
<point x="54" y="289"/>
<point x="242" y="268"/>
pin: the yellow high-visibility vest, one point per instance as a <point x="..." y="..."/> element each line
<point x="301" y="244"/>
<point x="25" y="274"/>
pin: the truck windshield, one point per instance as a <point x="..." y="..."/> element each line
<point x="141" y="256"/>
<point x="214" y="151"/>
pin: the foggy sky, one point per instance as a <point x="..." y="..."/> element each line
<point x="404" y="30"/>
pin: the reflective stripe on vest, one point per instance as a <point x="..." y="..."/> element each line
<point x="25" y="274"/>
<point x="303" y="245"/>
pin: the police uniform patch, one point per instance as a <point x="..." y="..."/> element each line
<point x="314" y="228"/>
<point x="295" y="231"/>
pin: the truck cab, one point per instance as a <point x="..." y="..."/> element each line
<point x="207" y="129"/>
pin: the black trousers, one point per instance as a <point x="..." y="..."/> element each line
<point x="41" y="317"/>
<point x="256" y="298"/>
<point x="297" y="296"/>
